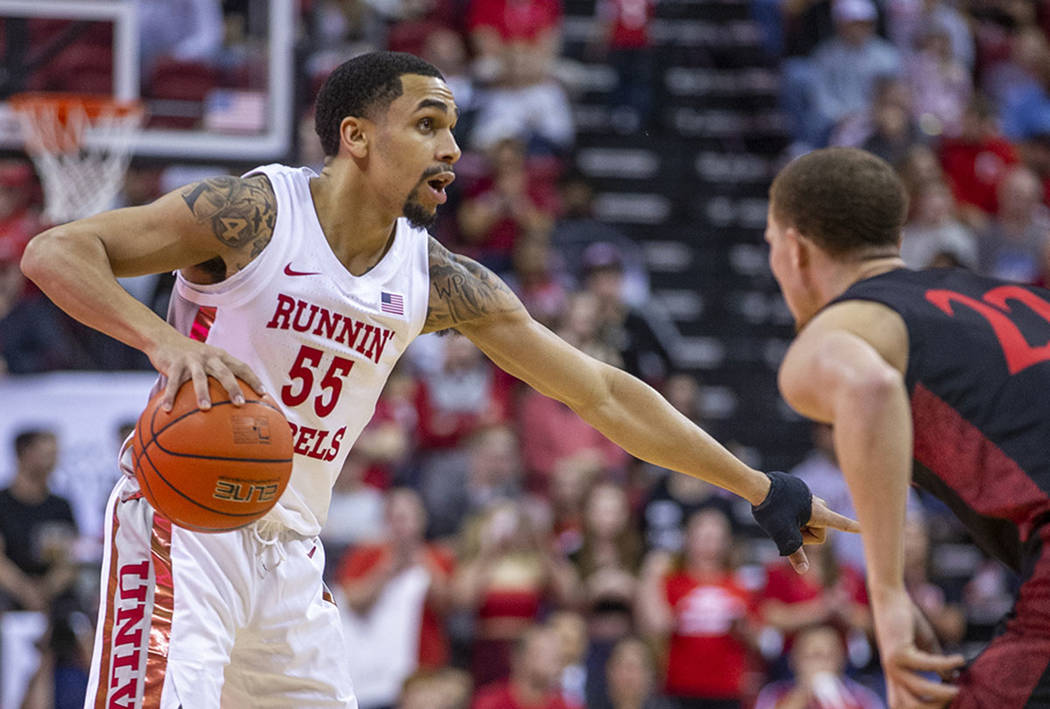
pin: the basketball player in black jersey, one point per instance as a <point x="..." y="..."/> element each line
<point x="937" y="377"/>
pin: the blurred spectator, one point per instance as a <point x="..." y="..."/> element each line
<point x="466" y="394"/>
<point x="908" y="20"/>
<point x="631" y="678"/>
<point x="639" y="337"/>
<point x="567" y="491"/>
<point x="1015" y="69"/>
<point x="445" y="688"/>
<point x="37" y="531"/>
<point x="1013" y="245"/>
<point x="552" y="432"/>
<point x="818" y="663"/>
<point x="888" y="128"/>
<point x="622" y="41"/>
<point x="396" y="594"/>
<point x="947" y="620"/>
<point x="537" y="281"/>
<point x="515" y="44"/>
<point x="975" y="161"/>
<point x="534" y="678"/>
<point x="1036" y="154"/>
<point x="571" y="630"/>
<point x="355" y="514"/>
<point x="577" y="228"/>
<point x="610" y="537"/>
<point x="514" y="41"/>
<point x="1026" y="108"/>
<point x="702" y="613"/>
<point x="505" y="206"/>
<point x="829" y="593"/>
<point x="918" y="169"/>
<point x="506" y="573"/>
<point x="390" y="438"/>
<point x="607" y="562"/>
<point x="487" y="469"/>
<point x="940" y="83"/>
<point x="676" y="498"/>
<point x="838" y="80"/>
<point x="579" y="327"/>
<point x="184" y="30"/>
<point x="933" y="229"/>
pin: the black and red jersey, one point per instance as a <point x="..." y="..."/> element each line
<point x="979" y="382"/>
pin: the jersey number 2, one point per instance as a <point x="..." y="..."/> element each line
<point x="302" y="371"/>
<point x="1019" y="354"/>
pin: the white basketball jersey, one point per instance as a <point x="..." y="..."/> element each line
<point x="322" y="340"/>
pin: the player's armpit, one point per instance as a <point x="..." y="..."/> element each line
<point x="463" y="291"/>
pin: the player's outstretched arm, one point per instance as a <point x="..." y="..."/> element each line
<point x="468" y="297"/>
<point x="223" y="221"/>
<point x="845" y="368"/>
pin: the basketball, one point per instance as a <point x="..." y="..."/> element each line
<point x="213" y="470"/>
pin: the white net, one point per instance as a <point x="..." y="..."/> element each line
<point x="81" y="149"/>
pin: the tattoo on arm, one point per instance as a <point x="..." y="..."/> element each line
<point x="241" y="212"/>
<point x="462" y="290"/>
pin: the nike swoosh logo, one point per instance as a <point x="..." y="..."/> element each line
<point x="289" y="272"/>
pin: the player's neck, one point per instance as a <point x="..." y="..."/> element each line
<point x="359" y="231"/>
<point x="843" y="274"/>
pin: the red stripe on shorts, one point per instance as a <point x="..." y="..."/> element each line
<point x="111" y="587"/>
<point x="163" y="610"/>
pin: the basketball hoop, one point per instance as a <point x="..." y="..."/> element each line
<point x="81" y="146"/>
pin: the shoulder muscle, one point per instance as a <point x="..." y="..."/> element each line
<point x="462" y="291"/>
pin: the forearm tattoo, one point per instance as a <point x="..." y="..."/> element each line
<point x="241" y="212"/>
<point x="462" y="290"/>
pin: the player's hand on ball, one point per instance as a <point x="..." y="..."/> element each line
<point x="182" y="359"/>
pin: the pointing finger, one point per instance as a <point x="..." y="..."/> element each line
<point x="824" y="517"/>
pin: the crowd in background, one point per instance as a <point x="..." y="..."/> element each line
<point x="487" y="547"/>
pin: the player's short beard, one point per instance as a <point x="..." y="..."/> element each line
<point x="416" y="214"/>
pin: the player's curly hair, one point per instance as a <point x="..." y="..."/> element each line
<point x="364" y="86"/>
<point x="846" y="200"/>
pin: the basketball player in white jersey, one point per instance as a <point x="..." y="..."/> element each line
<point x="309" y="287"/>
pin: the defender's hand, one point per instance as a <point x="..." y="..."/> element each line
<point x="184" y="359"/>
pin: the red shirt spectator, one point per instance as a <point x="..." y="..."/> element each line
<point x="515" y="19"/>
<point x="975" y="168"/>
<point x="628" y="22"/>
<point x="706" y="658"/>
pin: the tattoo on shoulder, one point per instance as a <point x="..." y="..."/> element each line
<point x="462" y="290"/>
<point x="241" y="212"/>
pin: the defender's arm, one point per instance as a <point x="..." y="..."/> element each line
<point x="852" y="377"/>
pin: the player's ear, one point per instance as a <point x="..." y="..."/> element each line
<point x="353" y="136"/>
<point x="798" y="247"/>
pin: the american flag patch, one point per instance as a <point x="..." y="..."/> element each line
<point x="391" y="303"/>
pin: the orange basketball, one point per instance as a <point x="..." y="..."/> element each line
<point x="214" y="470"/>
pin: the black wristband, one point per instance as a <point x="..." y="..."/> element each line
<point x="785" y="511"/>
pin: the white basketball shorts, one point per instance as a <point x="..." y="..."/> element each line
<point x="235" y="620"/>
